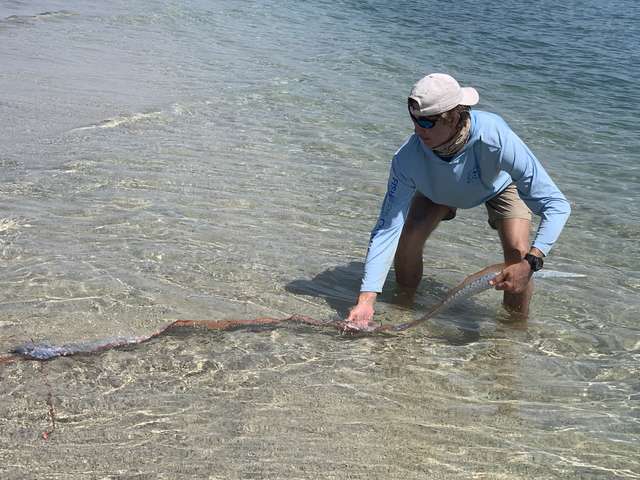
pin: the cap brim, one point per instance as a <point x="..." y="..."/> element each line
<point x="470" y="96"/>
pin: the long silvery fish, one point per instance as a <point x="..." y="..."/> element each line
<point x="471" y="285"/>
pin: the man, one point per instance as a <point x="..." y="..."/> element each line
<point x="459" y="158"/>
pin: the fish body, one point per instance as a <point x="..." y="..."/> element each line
<point x="473" y="284"/>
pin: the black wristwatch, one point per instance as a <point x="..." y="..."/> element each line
<point x="535" y="263"/>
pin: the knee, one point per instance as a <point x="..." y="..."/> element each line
<point x="514" y="236"/>
<point x="515" y="252"/>
<point x="414" y="232"/>
<point x="408" y="276"/>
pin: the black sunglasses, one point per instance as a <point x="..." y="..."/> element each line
<point x="424" y="122"/>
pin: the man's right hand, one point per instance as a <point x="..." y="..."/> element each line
<point x="361" y="316"/>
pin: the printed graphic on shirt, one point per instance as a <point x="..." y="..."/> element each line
<point x="473" y="175"/>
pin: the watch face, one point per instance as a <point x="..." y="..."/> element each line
<point x="535" y="262"/>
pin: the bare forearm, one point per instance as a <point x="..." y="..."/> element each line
<point x="367" y="298"/>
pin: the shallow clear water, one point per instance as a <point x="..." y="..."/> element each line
<point x="216" y="160"/>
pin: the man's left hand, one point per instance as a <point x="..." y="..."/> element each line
<point x="514" y="278"/>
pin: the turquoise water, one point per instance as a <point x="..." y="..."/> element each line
<point x="219" y="160"/>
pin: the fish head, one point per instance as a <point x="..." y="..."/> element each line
<point x="38" y="351"/>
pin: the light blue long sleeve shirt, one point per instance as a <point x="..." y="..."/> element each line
<point x="492" y="159"/>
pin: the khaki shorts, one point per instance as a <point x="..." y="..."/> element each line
<point x="507" y="204"/>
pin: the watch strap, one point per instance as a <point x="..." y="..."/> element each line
<point x="535" y="262"/>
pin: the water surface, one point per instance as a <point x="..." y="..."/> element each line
<point x="216" y="160"/>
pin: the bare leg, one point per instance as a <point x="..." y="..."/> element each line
<point x="423" y="218"/>
<point x="514" y="235"/>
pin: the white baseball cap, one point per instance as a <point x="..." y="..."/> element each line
<point x="438" y="93"/>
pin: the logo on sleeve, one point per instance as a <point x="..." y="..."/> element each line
<point x="393" y="187"/>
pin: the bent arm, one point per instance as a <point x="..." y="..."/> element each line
<point x="536" y="189"/>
